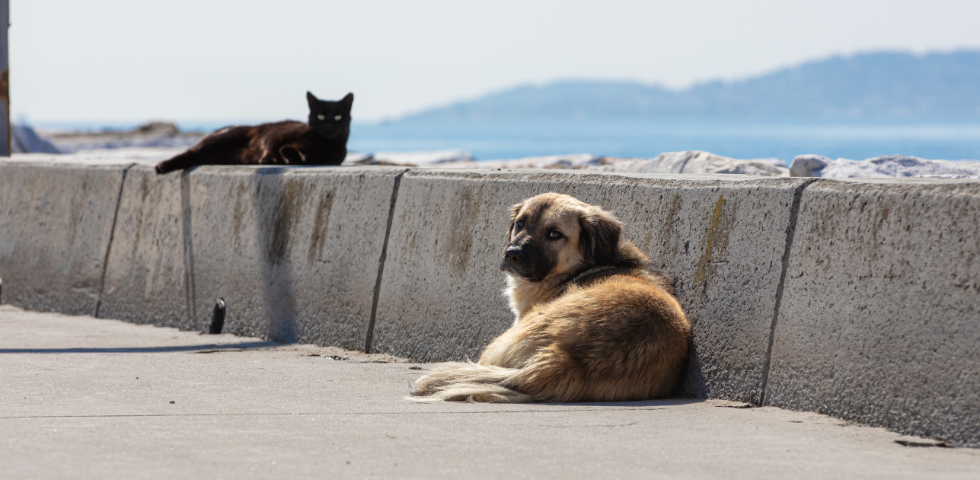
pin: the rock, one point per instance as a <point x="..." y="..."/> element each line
<point x="808" y="165"/>
<point x="889" y="166"/>
<point x="161" y="134"/>
<point x="570" y="161"/>
<point x="24" y="139"/>
<point x="361" y="159"/>
<point x="411" y="159"/>
<point x="424" y="158"/>
<point x="358" y="158"/>
<point x="704" y="162"/>
<point x="111" y="156"/>
<point x="689" y="162"/>
<point x="157" y="129"/>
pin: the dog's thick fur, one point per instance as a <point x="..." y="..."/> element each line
<point x="595" y="322"/>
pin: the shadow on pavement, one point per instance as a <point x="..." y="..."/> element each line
<point x="177" y="348"/>
<point x="667" y="402"/>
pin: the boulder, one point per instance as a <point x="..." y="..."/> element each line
<point x="889" y="166"/>
<point x="23" y="139"/>
<point x="808" y="165"/>
<point x="690" y="161"/>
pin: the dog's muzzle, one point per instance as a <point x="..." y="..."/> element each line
<point x="514" y="254"/>
<point x="527" y="260"/>
<point x="513" y="259"/>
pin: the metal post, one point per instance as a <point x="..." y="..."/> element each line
<point x="4" y="80"/>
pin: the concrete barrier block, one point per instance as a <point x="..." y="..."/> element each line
<point x="722" y="237"/>
<point x="880" y="316"/>
<point x="147" y="275"/>
<point x="293" y="251"/>
<point x="55" y="229"/>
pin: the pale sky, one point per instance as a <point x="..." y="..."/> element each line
<point x="250" y="60"/>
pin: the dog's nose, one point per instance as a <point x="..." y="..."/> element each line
<point x="514" y="254"/>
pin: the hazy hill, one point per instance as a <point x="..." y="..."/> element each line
<point x="873" y="85"/>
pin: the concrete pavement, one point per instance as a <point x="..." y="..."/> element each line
<point x="85" y="398"/>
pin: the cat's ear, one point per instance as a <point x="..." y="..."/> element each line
<point x="312" y="100"/>
<point x="348" y="101"/>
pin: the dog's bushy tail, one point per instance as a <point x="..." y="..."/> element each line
<point x="469" y="382"/>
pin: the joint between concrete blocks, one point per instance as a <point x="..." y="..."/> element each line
<point x="112" y="234"/>
<point x="794" y="212"/>
<point x="381" y="263"/>
<point x="187" y="236"/>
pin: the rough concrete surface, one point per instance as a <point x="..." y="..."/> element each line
<point x="147" y="272"/>
<point x="880" y="318"/>
<point x="55" y="229"/>
<point x="722" y="238"/>
<point x="87" y="398"/>
<point x="293" y="251"/>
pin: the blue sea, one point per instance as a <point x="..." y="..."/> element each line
<point x="744" y="139"/>
<point x="736" y="139"/>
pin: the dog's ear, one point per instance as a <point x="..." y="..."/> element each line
<point x="514" y="210"/>
<point x="600" y="236"/>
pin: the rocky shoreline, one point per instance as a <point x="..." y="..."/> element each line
<point x="156" y="134"/>
<point x="156" y="141"/>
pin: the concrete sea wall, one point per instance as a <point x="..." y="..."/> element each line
<point x="860" y="299"/>
<point x="880" y="318"/>
<point x="293" y="252"/>
<point x="56" y="225"/>
<point x="441" y="280"/>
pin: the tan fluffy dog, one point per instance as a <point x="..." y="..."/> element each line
<point x="594" y="320"/>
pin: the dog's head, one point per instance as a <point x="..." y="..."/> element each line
<point x="553" y="234"/>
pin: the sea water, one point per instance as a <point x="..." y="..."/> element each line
<point x="949" y="140"/>
<point x="642" y="138"/>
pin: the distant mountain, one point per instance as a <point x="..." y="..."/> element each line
<point x="872" y="85"/>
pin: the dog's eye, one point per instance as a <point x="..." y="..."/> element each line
<point x="555" y="235"/>
<point x="337" y="117"/>
<point x="320" y="117"/>
<point x="519" y="224"/>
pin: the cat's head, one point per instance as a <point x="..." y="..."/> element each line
<point x="330" y="119"/>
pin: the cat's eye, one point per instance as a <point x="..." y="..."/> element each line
<point x="321" y="117"/>
<point x="337" y="118"/>
<point x="555" y="235"/>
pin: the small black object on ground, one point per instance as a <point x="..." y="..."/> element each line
<point x="218" y="317"/>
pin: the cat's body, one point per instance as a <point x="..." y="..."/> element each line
<point x="320" y="141"/>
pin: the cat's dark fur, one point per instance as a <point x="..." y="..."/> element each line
<point x="320" y="141"/>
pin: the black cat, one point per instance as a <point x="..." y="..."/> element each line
<point x="320" y="141"/>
